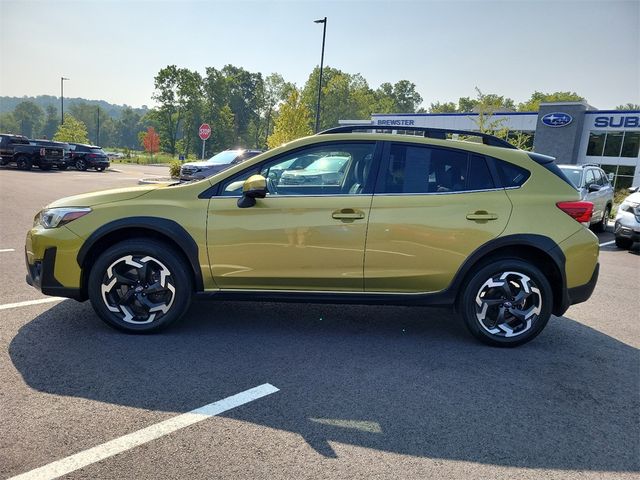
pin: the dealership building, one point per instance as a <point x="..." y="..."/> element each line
<point x="572" y="132"/>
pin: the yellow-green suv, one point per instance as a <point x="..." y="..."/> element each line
<point x="423" y="219"/>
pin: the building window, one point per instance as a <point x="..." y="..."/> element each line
<point x="622" y="175"/>
<point x="613" y="144"/>
<point x="596" y="144"/>
<point x="630" y="144"/>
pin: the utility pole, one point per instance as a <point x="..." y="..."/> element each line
<point x="62" y="79"/>
<point x="324" y="34"/>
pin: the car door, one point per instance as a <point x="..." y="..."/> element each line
<point x="595" y="197"/>
<point x="307" y="236"/>
<point x="432" y="207"/>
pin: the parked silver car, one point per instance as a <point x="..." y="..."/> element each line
<point x="627" y="223"/>
<point x="594" y="186"/>
<point x="217" y="163"/>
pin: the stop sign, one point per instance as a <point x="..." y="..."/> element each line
<point x="204" y="131"/>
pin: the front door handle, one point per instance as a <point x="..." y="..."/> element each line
<point x="348" y="214"/>
<point x="481" y="215"/>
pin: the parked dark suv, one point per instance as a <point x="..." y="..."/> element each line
<point x="87" y="156"/>
<point x="26" y="153"/>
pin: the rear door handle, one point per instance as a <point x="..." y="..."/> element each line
<point x="348" y="214"/>
<point x="480" y="215"/>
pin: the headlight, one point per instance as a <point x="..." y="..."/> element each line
<point x="56" y="217"/>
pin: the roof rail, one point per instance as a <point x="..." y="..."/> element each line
<point x="440" y="133"/>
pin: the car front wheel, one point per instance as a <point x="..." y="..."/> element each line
<point x="506" y="303"/>
<point x="140" y="286"/>
<point x="81" y="164"/>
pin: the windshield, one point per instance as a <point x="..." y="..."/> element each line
<point x="224" y="158"/>
<point x="327" y="164"/>
<point x="572" y="174"/>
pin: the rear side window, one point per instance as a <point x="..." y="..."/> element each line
<point x="511" y="175"/>
<point x="415" y="169"/>
<point x="97" y="150"/>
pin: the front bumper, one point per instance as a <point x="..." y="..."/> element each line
<point x="627" y="230"/>
<point x="50" y="257"/>
<point x="40" y="275"/>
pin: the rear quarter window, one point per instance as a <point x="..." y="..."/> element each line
<point x="511" y="175"/>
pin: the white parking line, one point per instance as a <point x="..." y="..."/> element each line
<point x="6" y="306"/>
<point x="7" y="250"/>
<point x="607" y="243"/>
<point x="131" y="440"/>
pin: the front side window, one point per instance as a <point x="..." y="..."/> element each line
<point x="328" y="169"/>
<point x="589" y="178"/>
<point x="415" y="169"/>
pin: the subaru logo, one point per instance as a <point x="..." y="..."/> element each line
<point x="557" y="119"/>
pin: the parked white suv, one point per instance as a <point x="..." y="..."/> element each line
<point x="594" y="186"/>
<point x="627" y="225"/>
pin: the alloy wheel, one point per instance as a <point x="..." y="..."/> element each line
<point x="140" y="289"/>
<point x="508" y="304"/>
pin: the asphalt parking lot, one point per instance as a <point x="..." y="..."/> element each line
<point x="360" y="392"/>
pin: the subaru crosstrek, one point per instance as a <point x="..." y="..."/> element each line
<point x="495" y="232"/>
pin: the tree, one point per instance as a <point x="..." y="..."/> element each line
<point x="628" y="106"/>
<point x="127" y="128"/>
<point x="446" y="107"/>
<point x="8" y="124"/>
<point x="168" y="111"/>
<point x="533" y="104"/>
<point x="29" y="118"/>
<point x="151" y="141"/>
<point x="71" y="131"/>
<point x="294" y="120"/>
<point x="51" y="122"/>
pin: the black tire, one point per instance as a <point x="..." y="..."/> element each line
<point x="624" y="243"/>
<point x="149" y="288"/>
<point x="601" y="226"/>
<point x="81" y="164"/>
<point x="23" y="163"/>
<point x="62" y="167"/>
<point x="44" y="167"/>
<point x="4" y="162"/>
<point x="495" y="292"/>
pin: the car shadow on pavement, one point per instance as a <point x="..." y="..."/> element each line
<point x="395" y="379"/>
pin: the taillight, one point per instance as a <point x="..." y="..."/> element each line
<point x="579" y="211"/>
<point x="92" y="155"/>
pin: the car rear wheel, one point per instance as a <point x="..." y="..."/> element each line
<point x="140" y="286"/>
<point x="506" y="303"/>
<point x="81" y="164"/>
<point x="601" y="226"/>
<point x="23" y="163"/>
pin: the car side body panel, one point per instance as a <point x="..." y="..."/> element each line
<point x="417" y="243"/>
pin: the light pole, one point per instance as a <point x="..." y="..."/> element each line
<point x="62" y="79"/>
<point x="324" y="33"/>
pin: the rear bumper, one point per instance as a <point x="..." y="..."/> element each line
<point x="40" y="276"/>
<point x="582" y="293"/>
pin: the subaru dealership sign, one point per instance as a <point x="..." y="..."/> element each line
<point x="557" y="119"/>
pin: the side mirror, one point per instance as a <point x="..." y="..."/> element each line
<point x="253" y="187"/>
<point x="594" y="187"/>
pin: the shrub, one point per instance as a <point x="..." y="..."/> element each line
<point x="174" y="168"/>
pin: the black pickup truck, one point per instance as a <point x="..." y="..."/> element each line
<point x="26" y="153"/>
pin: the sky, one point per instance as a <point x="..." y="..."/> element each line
<point x="112" y="49"/>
